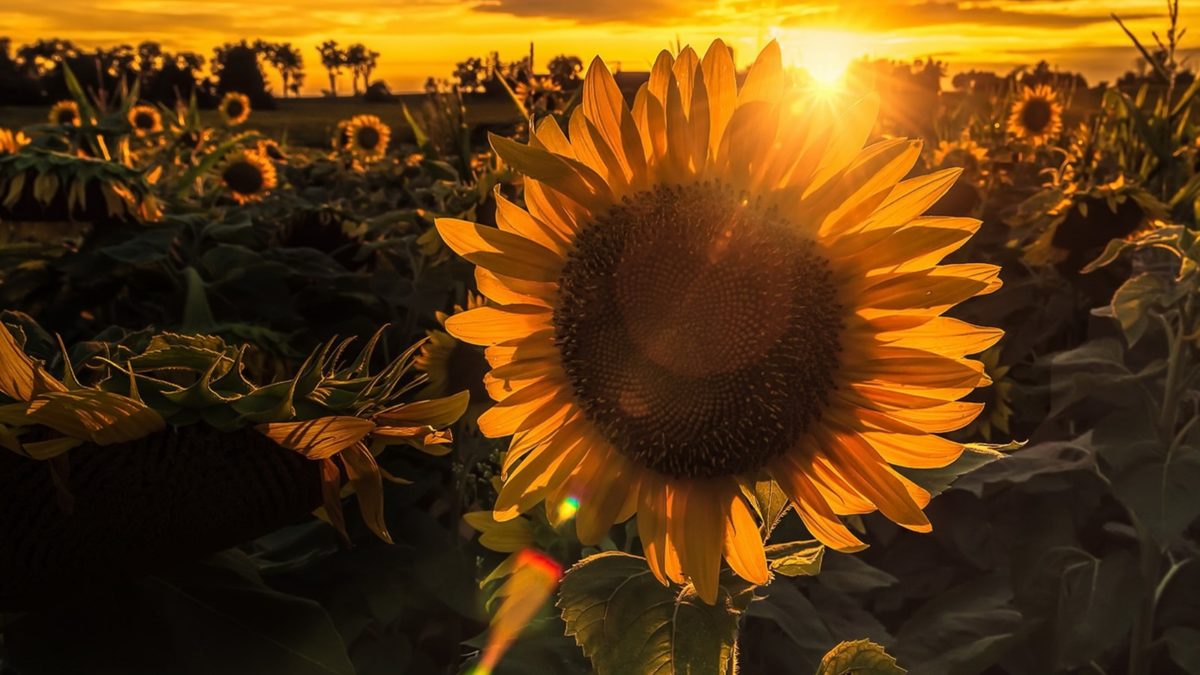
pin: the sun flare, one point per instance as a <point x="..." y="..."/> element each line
<point x="823" y="55"/>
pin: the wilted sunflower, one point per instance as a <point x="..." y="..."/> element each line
<point x="11" y="141"/>
<point x="450" y="365"/>
<point x="235" y="108"/>
<point x="714" y="287"/>
<point x="144" y="120"/>
<point x="248" y="176"/>
<point x="65" y="112"/>
<point x="1036" y="115"/>
<point x="367" y="137"/>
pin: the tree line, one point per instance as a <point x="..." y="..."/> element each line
<point x="32" y="74"/>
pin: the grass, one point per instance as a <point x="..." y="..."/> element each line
<point x="310" y="121"/>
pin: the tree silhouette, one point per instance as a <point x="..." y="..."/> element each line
<point x="564" y="70"/>
<point x="237" y="69"/>
<point x="333" y="58"/>
<point x="286" y="59"/>
<point x="362" y="62"/>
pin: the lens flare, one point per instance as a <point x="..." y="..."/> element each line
<point x="534" y="578"/>
<point x="567" y="509"/>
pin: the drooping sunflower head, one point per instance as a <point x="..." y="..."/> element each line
<point x="11" y="141"/>
<point x="1036" y="114"/>
<point x="341" y="136"/>
<point x="235" y="108"/>
<point x="367" y="137"/>
<point x="65" y="113"/>
<point x="450" y="365"/>
<point x="272" y="150"/>
<point x="145" y="120"/>
<point x="248" y="176"/>
<point x="717" y="285"/>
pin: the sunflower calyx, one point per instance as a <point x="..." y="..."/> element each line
<point x="859" y="657"/>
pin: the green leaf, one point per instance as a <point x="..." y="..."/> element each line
<point x="627" y="622"/>
<point x="1162" y="492"/>
<point x="1132" y="302"/>
<point x="197" y="315"/>
<point x="975" y="455"/>
<point x="1183" y="644"/>
<point x="860" y="657"/>
<point x="796" y="558"/>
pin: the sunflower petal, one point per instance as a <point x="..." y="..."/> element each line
<point x="502" y="252"/>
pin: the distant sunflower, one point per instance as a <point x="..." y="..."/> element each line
<point x="145" y="120"/>
<point x="450" y="365"/>
<point x="997" y="398"/>
<point x="341" y="136"/>
<point x="367" y="137"/>
<point x="248" y="176"/>
<point x="11" y="141"/>
<point x="1036" y="114"/>
<point x="964" y="153"/>
<point x="235" y="108"/>
<point x="272" y="150"/>
<point x="65" y="112"/>
<point x="716" y="286"/>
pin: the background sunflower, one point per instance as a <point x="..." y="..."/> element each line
<point x="234" y="108"/>
<point x="145" y="120"/>
<point x="247" y="176"/>
<point x="367" y="137"/>
<point x="1036" y="114"/>
<point x="65" y="112"/>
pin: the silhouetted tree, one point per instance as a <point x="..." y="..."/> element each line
<point x="362" y="62"/>
<point x="236" y="68"/>
<point x="286" y="59"/>
<point x="333" y="58"/>
<point x="564" y="70"/>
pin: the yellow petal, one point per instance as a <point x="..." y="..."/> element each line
<point x="319" y="438"/>
<point x="502" y="252"/>
<point x="102" y="417"/>
<point x="364" y="475"/>
<point x="436" y="413"/>
<point x="743" y="542"/>
<point x="489" y="325"/>
<point x="820" y="520"/>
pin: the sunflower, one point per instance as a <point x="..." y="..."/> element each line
<point x="997" y="398"/>
<point x="272" y="150"/>
<point x="248" y="176"/>
<point x="964" y="153"/>
<point x="341" y="136"/>
<point x="367" y="137"/>
<point x="714" y="287"/>
<point x="1036" y="114"/>
<point x="65" y="112"/>
<point x="145" y="120"/>
<point x="449" y="364"/>
<point x="235" y="108"/>
<point x="11" y="141"/>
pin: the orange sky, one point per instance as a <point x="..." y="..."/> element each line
<point x="418" y="38"/>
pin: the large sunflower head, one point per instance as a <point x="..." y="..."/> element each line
<point x="65" y="113"/>
<point x="11" y="141"/>
<point x="248" y="176"/>
<point x="1036" y="114"/>
<point x="716" y="286"/>
<point x="367" y="137"/>
<point x="235" y="108"/>
<point x="145" y="120"/>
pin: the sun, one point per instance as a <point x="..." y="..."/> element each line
<point x="824" y="55"/>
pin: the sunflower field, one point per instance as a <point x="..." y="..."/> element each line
<point x="724" y="373"/>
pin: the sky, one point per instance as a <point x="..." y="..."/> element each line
<point x="422" y="38"/>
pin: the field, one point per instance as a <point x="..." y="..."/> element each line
<point x="310" y="122"/>
<point x="739" y="372"/>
